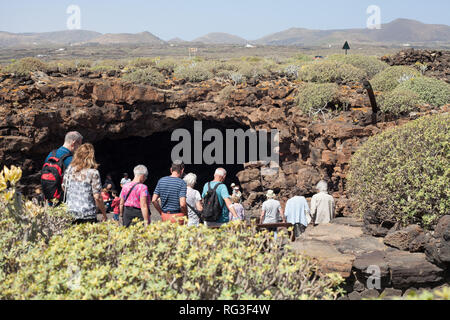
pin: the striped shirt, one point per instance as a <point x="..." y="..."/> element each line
<point x="170" y="190"/>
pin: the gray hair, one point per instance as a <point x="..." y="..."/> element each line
<point x="72" y="137"/>
<point x="140" y="170"/>
<point x="221" y="172"/>
<point x="190" y="179"/>
<point x="322" y="186"/>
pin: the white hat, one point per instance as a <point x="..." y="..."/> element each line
<point x="270" y="194"/>
<point x="233" y="185"/>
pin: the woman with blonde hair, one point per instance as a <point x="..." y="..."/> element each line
<point x="82" y="186"/>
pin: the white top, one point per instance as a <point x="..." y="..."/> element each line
<point x="322" y="208"/>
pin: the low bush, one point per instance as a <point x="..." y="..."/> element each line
<point x="142" y="62"/>
<point x="403" y="174"/>
<point x="148" y="76"/>
<point x="167" y="261"/>
<point x="23" y="224"/>
<point x="25" y="66"/>
<point x="330" y="71"/>
<point x="431" y="91"/>
<point x="195" y="72"/>
<point x="391" y="77"/>
<point x="399" y="101"/>
<point x="371" y="65"/>
<point x="41" y="257"/>
<point x="316" y="96"/>
<point x="167" y="65"/>
<point x="108" y="65"/>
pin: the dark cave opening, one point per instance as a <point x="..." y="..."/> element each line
<point x="122" y="155"/>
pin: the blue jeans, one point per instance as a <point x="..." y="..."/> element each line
<point x="116" y="217"/>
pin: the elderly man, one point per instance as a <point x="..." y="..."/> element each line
<point x="55" y="165"/>
<point x="172" y="190"/>
<point x="322" y="205"/>
<point x="71" y="143"/>
<point x="297" y="213"/>
<point x="220" y="189"/>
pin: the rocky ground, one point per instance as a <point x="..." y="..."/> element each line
<point x="436" y="63"/>
<point x="407" y="259"/>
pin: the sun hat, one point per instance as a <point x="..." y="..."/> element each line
<point x="270" y="194"/>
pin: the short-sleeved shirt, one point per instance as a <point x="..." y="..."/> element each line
<point x="170" y="190"/>
<point x="239" y="211"/>
<point x="222" y="193"/>
<point x="192" y="197"/>
<point x="271" y="210"/>
<point x="124" y="181"/>
<point x="80" y="190"/>
<point x="134" y="199"/>
<point x="61" y="152"/>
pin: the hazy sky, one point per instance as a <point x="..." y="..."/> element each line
<point x="189" y="19"/>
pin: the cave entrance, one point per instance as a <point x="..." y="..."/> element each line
<point x="122" y="155"/>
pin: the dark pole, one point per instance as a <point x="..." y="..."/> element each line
<point x="373" y="101"/>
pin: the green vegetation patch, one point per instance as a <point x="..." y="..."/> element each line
<point x="403" y="174"/>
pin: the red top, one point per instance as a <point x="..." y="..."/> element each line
<point x="116" y="205"/>
<point x="105" y="196"/>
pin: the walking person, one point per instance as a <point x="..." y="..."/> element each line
<point x="115" y="205"/>
<point x="322" y="205"/>
<point x="297" y="213"/>
<point x="135" y="199"/>
<point x="125" y="180"/>
<point x="82" y="186"/>
<point x="240" y="211"/>
<point x="55" y="166"/>
<point x="217" y="204"/>
<point x="172" y="190"/>
<point x="271" y="211"/>
<point x="193" y="200"/>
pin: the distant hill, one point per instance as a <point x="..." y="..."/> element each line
<point x="8" y="39"/>
<point x="127" y="38"/>
<point x="177" y="41"/>
<point x="397" y="31"/>
<point x="220" y="38"/>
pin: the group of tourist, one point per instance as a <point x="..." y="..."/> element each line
<point x="297" y="211"/>
<point x="174" y="197"/>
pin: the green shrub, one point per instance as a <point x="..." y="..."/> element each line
<point x="316" y="96"/>
<point x="330" y="71"/>
<point x="149" y="76"/>
<point x="250" y="70"/>
<point x="108" y="65"/>
<point x="167" y="261"/>
<point x="403" y="174"/>
<point x="22" y="223"/>
<point x="167" y="65"/>
<point x="142" y="62"/>
<point x="390" y="78"/>
<point x="432" y="91"/>
<point x="25" y="66"/>
<point x="371" y="65"/>
<point x="196" y="72"/>
<point x="399" y="101"/>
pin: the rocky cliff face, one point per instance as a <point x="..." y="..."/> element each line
<point x="36" y="113"/>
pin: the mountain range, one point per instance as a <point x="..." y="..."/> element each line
<point x="399" y="31"/>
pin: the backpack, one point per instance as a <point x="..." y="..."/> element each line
<point x="52" y="176"/>
<point x="212" y="210"/>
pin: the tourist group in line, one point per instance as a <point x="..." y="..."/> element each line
<point x="70" y="175"/>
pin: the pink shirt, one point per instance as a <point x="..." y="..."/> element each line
<point x="133" y="199"/>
